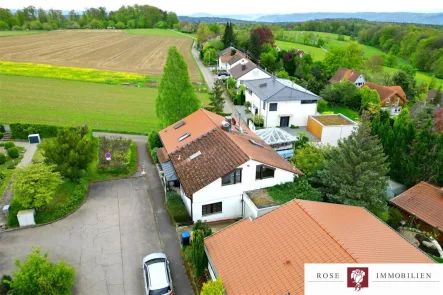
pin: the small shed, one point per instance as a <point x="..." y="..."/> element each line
<point x="34" y="138"/>
<point x="26" y="217"/>
<point x="329" y="129"/>
<point x="280" y="140"/>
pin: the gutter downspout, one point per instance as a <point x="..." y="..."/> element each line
<point x="192" y="208"/>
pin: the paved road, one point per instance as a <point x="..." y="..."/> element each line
<point x="209" y="79"/>
<point x="106" y="239"/>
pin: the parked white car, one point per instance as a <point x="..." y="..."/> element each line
<point x="157" y="275"/>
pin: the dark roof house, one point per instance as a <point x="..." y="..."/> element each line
<point x="240" y="70"/>
<point x="276" y="89"/>
<point x="267" y="255"/>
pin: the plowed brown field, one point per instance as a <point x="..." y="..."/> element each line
<point x="106" y="50"/>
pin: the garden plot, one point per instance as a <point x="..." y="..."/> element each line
<point x="116" y="155"/>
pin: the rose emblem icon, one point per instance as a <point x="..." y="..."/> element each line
<point x="357" y="276"/>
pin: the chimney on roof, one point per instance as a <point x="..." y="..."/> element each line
<point x="225" y="126"/>
<point x="229" y="120"/>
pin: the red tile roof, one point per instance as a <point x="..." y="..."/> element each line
<point x="425" y="201"/>
<point x="344" y="74"/>
<point x="267" y="255"/>
<point x="221" y="151"/>
<point x="386" y="92"/>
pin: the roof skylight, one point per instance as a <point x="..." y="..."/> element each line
<point x="186" y="135"/>
<point x="179" y="124"/>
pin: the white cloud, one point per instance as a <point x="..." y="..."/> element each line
<point x="183" y="7"/>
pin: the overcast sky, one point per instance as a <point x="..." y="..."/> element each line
<point x="187" y="7"/>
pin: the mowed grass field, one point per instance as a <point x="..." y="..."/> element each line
<point x="72" y="103"/>
<point x="157" y="32"/>
<point x="111" y="50"/>
<point x="19" y="33"/>
<point x="315" y="52"/>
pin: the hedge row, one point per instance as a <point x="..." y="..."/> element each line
<point x="176" y="207"/>
<point x="21" y="131"/>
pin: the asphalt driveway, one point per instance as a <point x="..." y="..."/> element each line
<point x="106" y="239"/>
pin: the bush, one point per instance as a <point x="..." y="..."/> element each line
<point x="17" y="28"/>
<point x="203" y="226"/>
<point x="47" y="27"/>
<point x="1" y="135"/>
<point x="47" y="277"/>
<point x="395" y="218"/>
<point x="3" y="26"/>
<point x="299" y="189"/>
<point x="294" y="127"/>
<point x="154" y="140"/>
<point x="9" y="144"/>
<point x="198" y="255"/>
<point x="322" y="105"/>
<point x="120" y="26"/>
<point x="161" y="25"/>
<point x="13" y="152"/>
<point x="176" y="207"/>
<point x="154" y="155"/>
<point x="231" y="93"/>
<point x="2" y="128"/>
<point x="21" y="131"/>
<point x="2" y="158"/>
<point x="213" y="288"/>
<point x="5" y="284"/>
<point x="258" y="120"/>
<point x="10" y="165"/>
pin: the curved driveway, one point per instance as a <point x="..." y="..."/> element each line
<point x="106" y="239"/>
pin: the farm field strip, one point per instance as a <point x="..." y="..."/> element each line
<point x="73" y="103"/>
<point x="104" y="50"/>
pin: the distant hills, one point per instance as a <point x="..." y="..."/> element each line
<point x="400" y="17"/>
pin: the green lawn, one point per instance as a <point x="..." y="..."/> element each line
<point x="157" y="32"/>
<point x="315" y="52"/>
<point x="419" y="76"/>
<point x="70" y="73"/>
<point x="72" y="103"/>
<point x="19" y="33"/>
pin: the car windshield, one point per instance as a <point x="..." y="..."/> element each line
<point x="157" y="274"/>
<point x="161" y="291"/>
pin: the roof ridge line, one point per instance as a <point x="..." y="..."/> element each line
<point x="327" y="232"/>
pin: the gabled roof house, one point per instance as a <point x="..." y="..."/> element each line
<point x="267" y="255"/>
<point x="281" y="102"/>
<point x="230" y="57"/>
<point x="343" y="74"/>
<point x="392" y="98"/>
<point x="216" y="161"/>
<point x="424" y="201"/>
<point x="247" y="70"/>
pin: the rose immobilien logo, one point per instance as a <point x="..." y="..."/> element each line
<point x="358" y="278"/>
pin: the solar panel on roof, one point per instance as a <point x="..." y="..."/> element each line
<point x="179" y="124"/>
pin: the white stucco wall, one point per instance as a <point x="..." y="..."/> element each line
<point x="222" y="65"/>
<point x="255" y="74"/>
<point x="231" y="195"/>
<point x="360" y="81"/>
<point x="186" y="200"/>
<point x="331" y="134"/>
<point x="298" y="113"/>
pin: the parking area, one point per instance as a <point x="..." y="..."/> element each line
<point x="105" y="240"/>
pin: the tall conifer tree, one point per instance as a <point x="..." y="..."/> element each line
<point x="176" y="97"/>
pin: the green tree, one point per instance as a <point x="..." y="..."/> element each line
<point x="350" y="57"/>
<point x="38" y="275"/>
<point x="13" y="152"/>
<point x="198" y="255"/>
<point x="172" y="19"/>
<point x="202" y="33"/>
<point x="213" y="288"/>
<point x="269" y="61"/>
<point x="391" y="61"/>
<point x="309" y="159"/>
<point x="154" y="140"/>
<point x="375" y="63"/>
<point x="356" y="172"/>
<point x="199" y="225"/>
<point x="228" y="38"/>
<point x="217" y="102"/>
<point x="35" y="185"/>
<point x="210" y="56"/>
<point x="343" y="93"/>
<point x="407" y="82"/>
<point x="282" y="74"/>
<point x="254" y="45"/>
<point x="370" y="100"/>
<point x="71" y="151"/>
<point x="176" y="97"/>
